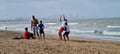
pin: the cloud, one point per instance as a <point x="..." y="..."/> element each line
<point x="19" y="8"/>
<point x="45" y="8"/>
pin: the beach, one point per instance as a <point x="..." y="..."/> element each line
<point x="51" y="45"/>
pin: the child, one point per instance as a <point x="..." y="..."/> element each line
<point x="27" y="34"/>
<point x="41" y="30"/>
<point x="67" y="31"/>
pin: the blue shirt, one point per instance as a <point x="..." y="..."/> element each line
<point x="40" y="26"/>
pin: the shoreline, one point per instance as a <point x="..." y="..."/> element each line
<point x="84" y="36"/>
<point x="71" y="37"/>
<point x="51" y="45"/>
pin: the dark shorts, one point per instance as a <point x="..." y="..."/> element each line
<point x="66" y="33"/>
<point x="41" y="31"/>
<point x="30" y="36"/>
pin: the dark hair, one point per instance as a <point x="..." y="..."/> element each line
<point x="33" y="16"/>
<point x="26" y="28"/>
<point x="40" y="21"/>
<point x="66" y="23"/>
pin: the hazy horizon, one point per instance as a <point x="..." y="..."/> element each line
<point x="10" y="9"/>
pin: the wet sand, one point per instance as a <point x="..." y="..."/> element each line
<point x="54" y="46"/>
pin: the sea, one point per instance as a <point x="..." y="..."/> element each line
<point x="103" y="29"/>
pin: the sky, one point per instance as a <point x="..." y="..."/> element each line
<point x="10" y="9"/>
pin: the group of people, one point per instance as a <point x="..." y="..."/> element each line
<point x="64" y="27"/>
<point x="38" y="29"/>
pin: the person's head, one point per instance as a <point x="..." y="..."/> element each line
<point x="26" y="29"/>
<point x="66" y="23"/>
<point x="41" y="21"/>
<point x="33" y="17"/>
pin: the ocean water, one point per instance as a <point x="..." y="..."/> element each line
<point x="104" y="29"/>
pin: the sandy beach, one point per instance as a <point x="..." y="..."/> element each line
<point x="54" y="46"/>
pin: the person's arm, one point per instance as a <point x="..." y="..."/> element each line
<point x="64" y="17"/>
<point x="60" y="18"/>
<point x="37" y="21"/>
<point x="38" y="26"/>
<point x="31" y="25"/>
<point x="43" y="26"/>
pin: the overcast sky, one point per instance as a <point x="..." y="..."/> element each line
<point x="10" y="9"/>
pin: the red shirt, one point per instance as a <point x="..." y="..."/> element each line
<point x="25" y="35"/>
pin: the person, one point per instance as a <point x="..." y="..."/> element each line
<point x="34" y="23"/>
<point x="41" y="30"/>
<point x="27" y="34"/>
<point x="62" y="26"/>
<point x="67" y="31"/>
<point x="18" y="37"/>
<point x="5" y="28"/>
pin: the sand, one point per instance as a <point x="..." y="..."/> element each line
<point x="54" y="46"/>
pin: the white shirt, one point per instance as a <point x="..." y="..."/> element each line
<point x="63" y="23"/>
<point x="67" y="29"/>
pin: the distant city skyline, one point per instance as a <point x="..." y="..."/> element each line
<point x="10" y="9"/>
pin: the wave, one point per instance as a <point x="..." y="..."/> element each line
<point x="73" y="23"/>
<point x="83" y="31"/>
<point x="53" y="27"/>
<point x="51" y="23"/>
<point x="56" y="23"/>
<point x="110" y="33"/>
<point x="109" y="26"/>
<point x="97" y="32"/>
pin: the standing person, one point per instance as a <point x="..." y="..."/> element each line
<point x="67" y="31"/>
<point x="34" y="23"/>
<point x="62" y="26"/>
<point x="5" y="28"/>
<point x="41" y="30"/>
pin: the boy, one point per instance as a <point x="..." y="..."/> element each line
<point x="41" y="30"/>
<point x="67" y="31"/>
<point x="27" y="34"/>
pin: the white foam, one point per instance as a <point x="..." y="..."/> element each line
<point x="53" y="27"/>
<point x="51" y="23"/>
<point x="109" y="26"/>
<point x="111" y="33"/>
<point x="15" y="27"/>
<point x="73" y="23"/>
<point x="83" y="31"/>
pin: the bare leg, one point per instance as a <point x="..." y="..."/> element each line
<point x="67" y="37"/>
<point x="64" y="37"/>
<point x="37" y="34"/>
<point x="60" y="35"/>
<point x="40" y="36"/>
<point x="34" y="34"/>
<point x="43" y="36"/>
<point x="31" y="35"/>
